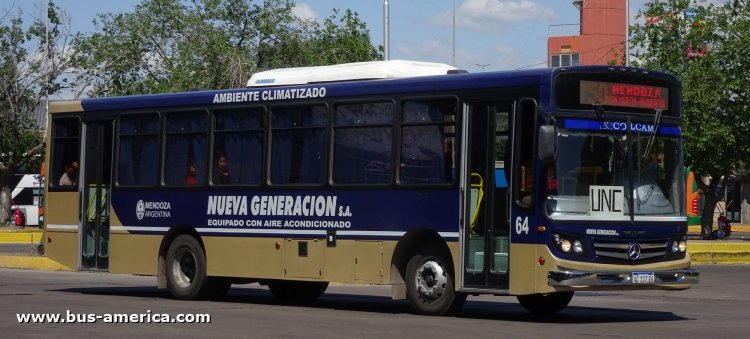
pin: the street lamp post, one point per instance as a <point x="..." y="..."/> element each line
<point x="627" y="32"/>
<point x="482" y="66"/>
<point x="386" y="50"/>
<point x="454" y="35"/>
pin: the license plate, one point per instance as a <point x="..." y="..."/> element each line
<point x="643" y="278"/>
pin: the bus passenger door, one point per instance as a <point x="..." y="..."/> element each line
<point x="97" y="177"/>
<point x="485" y="232"/>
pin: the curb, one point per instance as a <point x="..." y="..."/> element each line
<point x="735" y="228"/>
<point x="719" y="252"/>
<point x="720" y="258"/>
<point x="31" y="262"/>
<point x="20" y="237"/>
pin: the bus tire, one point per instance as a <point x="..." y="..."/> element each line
<point x="186" y="269"/>
<point x="429" y="284"/>
<point x="297" y="291"/>
<point x="549" y="303"/>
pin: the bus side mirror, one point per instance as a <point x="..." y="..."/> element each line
<point x="547" y="143"/>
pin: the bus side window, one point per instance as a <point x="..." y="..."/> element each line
<point x="66" y="142"/>
<point x="239" y="135"/>
<point x="186" y="145"/>
<point x="298" y="147"/>
<point x="362" y="143"/>
<point x="427" y="142"/>
<point x="138" y="154"/>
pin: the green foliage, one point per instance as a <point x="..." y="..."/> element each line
<point x="26" y="76"/>
<point x="174" y="45"/>
<point x="715" y="92"/>
<point x="709" y="53"/>
<point x="20" y="145"/>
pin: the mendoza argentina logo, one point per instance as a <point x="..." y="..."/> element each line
<point x="153" y="209"/>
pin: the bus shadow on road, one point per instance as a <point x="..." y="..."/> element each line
<point x="570" y="315"/>
<point x="261" y="296"/>
<point x="124" y="291"/>
<point x="473" y="309"/>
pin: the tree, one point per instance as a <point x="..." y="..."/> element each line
<point x="706" y="46"/>
<point x="337" y="40"/>
<point x="27" y="75"/>
<point x="177" y="45"/>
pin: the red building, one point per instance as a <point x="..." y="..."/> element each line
<point x="598" y="39"/>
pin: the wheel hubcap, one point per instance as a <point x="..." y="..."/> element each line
<point x="431" y="280"/>
<point x="183" y="268"/>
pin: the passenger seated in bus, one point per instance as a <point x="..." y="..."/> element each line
<point x="70" y="177"/>
<point x="190" y="178"/>
<point x="221" y="172"/>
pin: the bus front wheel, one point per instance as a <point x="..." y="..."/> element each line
<point x="545" y="303"/>
<point x="429" y="284"/>
<point x="186" y="272"/>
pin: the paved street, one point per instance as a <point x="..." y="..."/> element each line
<point x="715" y="308"/>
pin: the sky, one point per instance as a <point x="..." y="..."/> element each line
<point x="489" y="34"/>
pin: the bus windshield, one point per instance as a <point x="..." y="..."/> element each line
<point x="605" y="175"/>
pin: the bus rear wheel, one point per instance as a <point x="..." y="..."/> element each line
<point x="186" y="272"/>
<point x="545" y="303"/>
<point x="297" y="291"/>
<point x="429" y="284"/>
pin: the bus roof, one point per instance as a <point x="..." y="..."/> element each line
<point x="349" y="71"/>
<point x="370" y="86"/>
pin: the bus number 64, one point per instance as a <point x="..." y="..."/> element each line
<point x="522" y="225"/>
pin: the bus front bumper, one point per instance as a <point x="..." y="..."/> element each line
<point x="635" y="279"/>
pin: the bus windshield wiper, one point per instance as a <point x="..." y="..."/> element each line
<point x="602" y="116"/>
<point x="652" y="137"/>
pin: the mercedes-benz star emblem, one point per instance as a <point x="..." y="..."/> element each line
<point x="634" y="251"/>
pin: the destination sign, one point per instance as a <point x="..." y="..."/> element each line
<point x="606" y="201"/>
<point x="623" y="95"/>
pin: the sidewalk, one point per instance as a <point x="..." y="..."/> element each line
<point x="734" y="250"/>
<point x="20" y="236"/>
<point x="21" y="251"/>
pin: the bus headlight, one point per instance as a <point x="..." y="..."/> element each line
<point x="578" y="247"/>
<point x="679" y="246"/>
<point x="568" y="245"/>
<point x="565" y="245"/>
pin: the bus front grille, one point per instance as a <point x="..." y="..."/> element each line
<point x="630" y="251"/>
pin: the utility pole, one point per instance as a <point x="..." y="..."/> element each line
<point x="454" y="34"/>
<point x="627" y="32"/>
<point x="386" y="50"/>
<point x="50" y="65"/>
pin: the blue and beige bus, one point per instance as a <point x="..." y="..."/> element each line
<point x="440" y="183"/>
